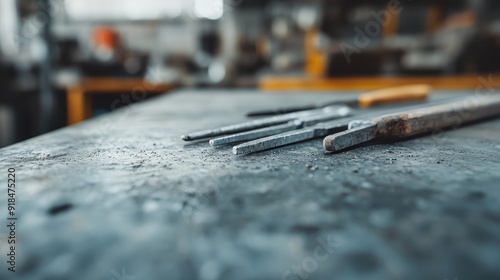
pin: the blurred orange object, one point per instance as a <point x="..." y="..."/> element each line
<point x="106" y="38"/>
<point x="316" y="59"/>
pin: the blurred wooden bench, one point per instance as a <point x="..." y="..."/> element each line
<point x="468" y="82"/>
<point x="79" y="96"/>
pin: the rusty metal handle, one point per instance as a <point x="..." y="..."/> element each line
<point x="414" y="122"/>
<point x="405" y="124"/>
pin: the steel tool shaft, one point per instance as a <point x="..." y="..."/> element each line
<point x="341" y="112"/>
<point x="316" y="131"/>
<point x="414" y="122"/>
<point x="260" y="123"/>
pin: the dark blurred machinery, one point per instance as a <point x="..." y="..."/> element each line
<point x="371" y="37"/>
<point x="389" y="37"/>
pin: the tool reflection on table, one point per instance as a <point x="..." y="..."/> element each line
<point x="397" y="126"/>
<point x="277" y="124"/>
<point x="365" y="100"/>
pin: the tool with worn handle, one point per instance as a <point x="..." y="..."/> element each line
<point x="414" y="122"/>
<point x="320" y="130"/>
<point x="377" y="97"/>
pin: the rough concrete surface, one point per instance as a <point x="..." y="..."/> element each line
<point x="122" y="197"/>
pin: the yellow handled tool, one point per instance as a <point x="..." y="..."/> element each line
<point x="395" y="94"/>
<point x="372" y="98"/>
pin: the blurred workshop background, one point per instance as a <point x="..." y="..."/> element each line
<point x="64" y="61"/>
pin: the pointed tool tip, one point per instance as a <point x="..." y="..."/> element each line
<point x="185" y="137"/>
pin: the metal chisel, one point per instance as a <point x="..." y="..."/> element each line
<point x="318" y="130"/>
<point x="402" y="125"/>
<point x="281" y="123"/>
<point x="331" y="112"/>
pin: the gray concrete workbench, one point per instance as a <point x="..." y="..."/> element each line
<point x="122" y="196"/>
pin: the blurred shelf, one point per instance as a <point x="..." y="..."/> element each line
<point x="466" y="82"/>
<point x="79" y="95"/>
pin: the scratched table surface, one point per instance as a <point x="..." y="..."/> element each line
<point x="122" y="197"/>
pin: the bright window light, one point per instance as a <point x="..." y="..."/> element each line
<point x="123" y="9"/>
<point x="210" y="9"/>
